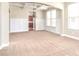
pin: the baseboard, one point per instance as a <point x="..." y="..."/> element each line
<point x="73" y="37"/>
<point x="63" y="34"/>
<point x="19" y="31"/>
<point x="53" y="32"/>
<point x="66" y="35"/>
<point x="4" y="45"/>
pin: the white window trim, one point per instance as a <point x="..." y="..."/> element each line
<point x="75" y="19"/>
<point x="51" y="19"/>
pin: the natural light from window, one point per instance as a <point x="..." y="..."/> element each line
<point x="51" y="18"/>
<point x="73" y="16"/>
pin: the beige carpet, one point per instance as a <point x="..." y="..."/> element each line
<point x="40" y="43"/>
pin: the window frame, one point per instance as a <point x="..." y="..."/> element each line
<point x="72" y="20"/>
<point x="51" y="19"/>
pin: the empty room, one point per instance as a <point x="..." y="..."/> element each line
<point x="39" y="29"/>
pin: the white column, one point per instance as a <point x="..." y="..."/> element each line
<point x="4" y="24"/>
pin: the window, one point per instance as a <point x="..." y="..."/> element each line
<point x="73" y="16"/>
<point x="48" y="18"/>
<point x="51" y="18"/>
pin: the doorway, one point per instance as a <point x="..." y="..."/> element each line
<point x="31" y="23"/>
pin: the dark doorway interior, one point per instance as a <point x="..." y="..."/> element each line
<point x="30" y="23"/>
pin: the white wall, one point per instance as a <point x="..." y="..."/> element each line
<point x="0" y="24"/>
<point x="59" y="21"/>
<point x="4" y="21"/>
<point x="40" y="20"/>
<point x="18" y="25"/>
<point x="58" y="28"/>
<point x="58" y="5"/>
<point x="66" y="31"/>
<point x="18" y="19"/>
<point x="50" y="29"/>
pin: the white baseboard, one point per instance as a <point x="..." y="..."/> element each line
<point x="63" y="34"/>
<point x="4" y="45"/>
<point x="18" y="31"/>
<point x="66" y="35"/>
<point x="73" y="37"/>
<point x="53" y="32"/>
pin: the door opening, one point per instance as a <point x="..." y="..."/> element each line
<point x="31" y="23"/>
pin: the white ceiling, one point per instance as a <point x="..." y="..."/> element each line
<point x="40" y="5"/>
<point x="30" y="5"/>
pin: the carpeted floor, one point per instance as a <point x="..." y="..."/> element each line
<point x="40" y="43"/>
